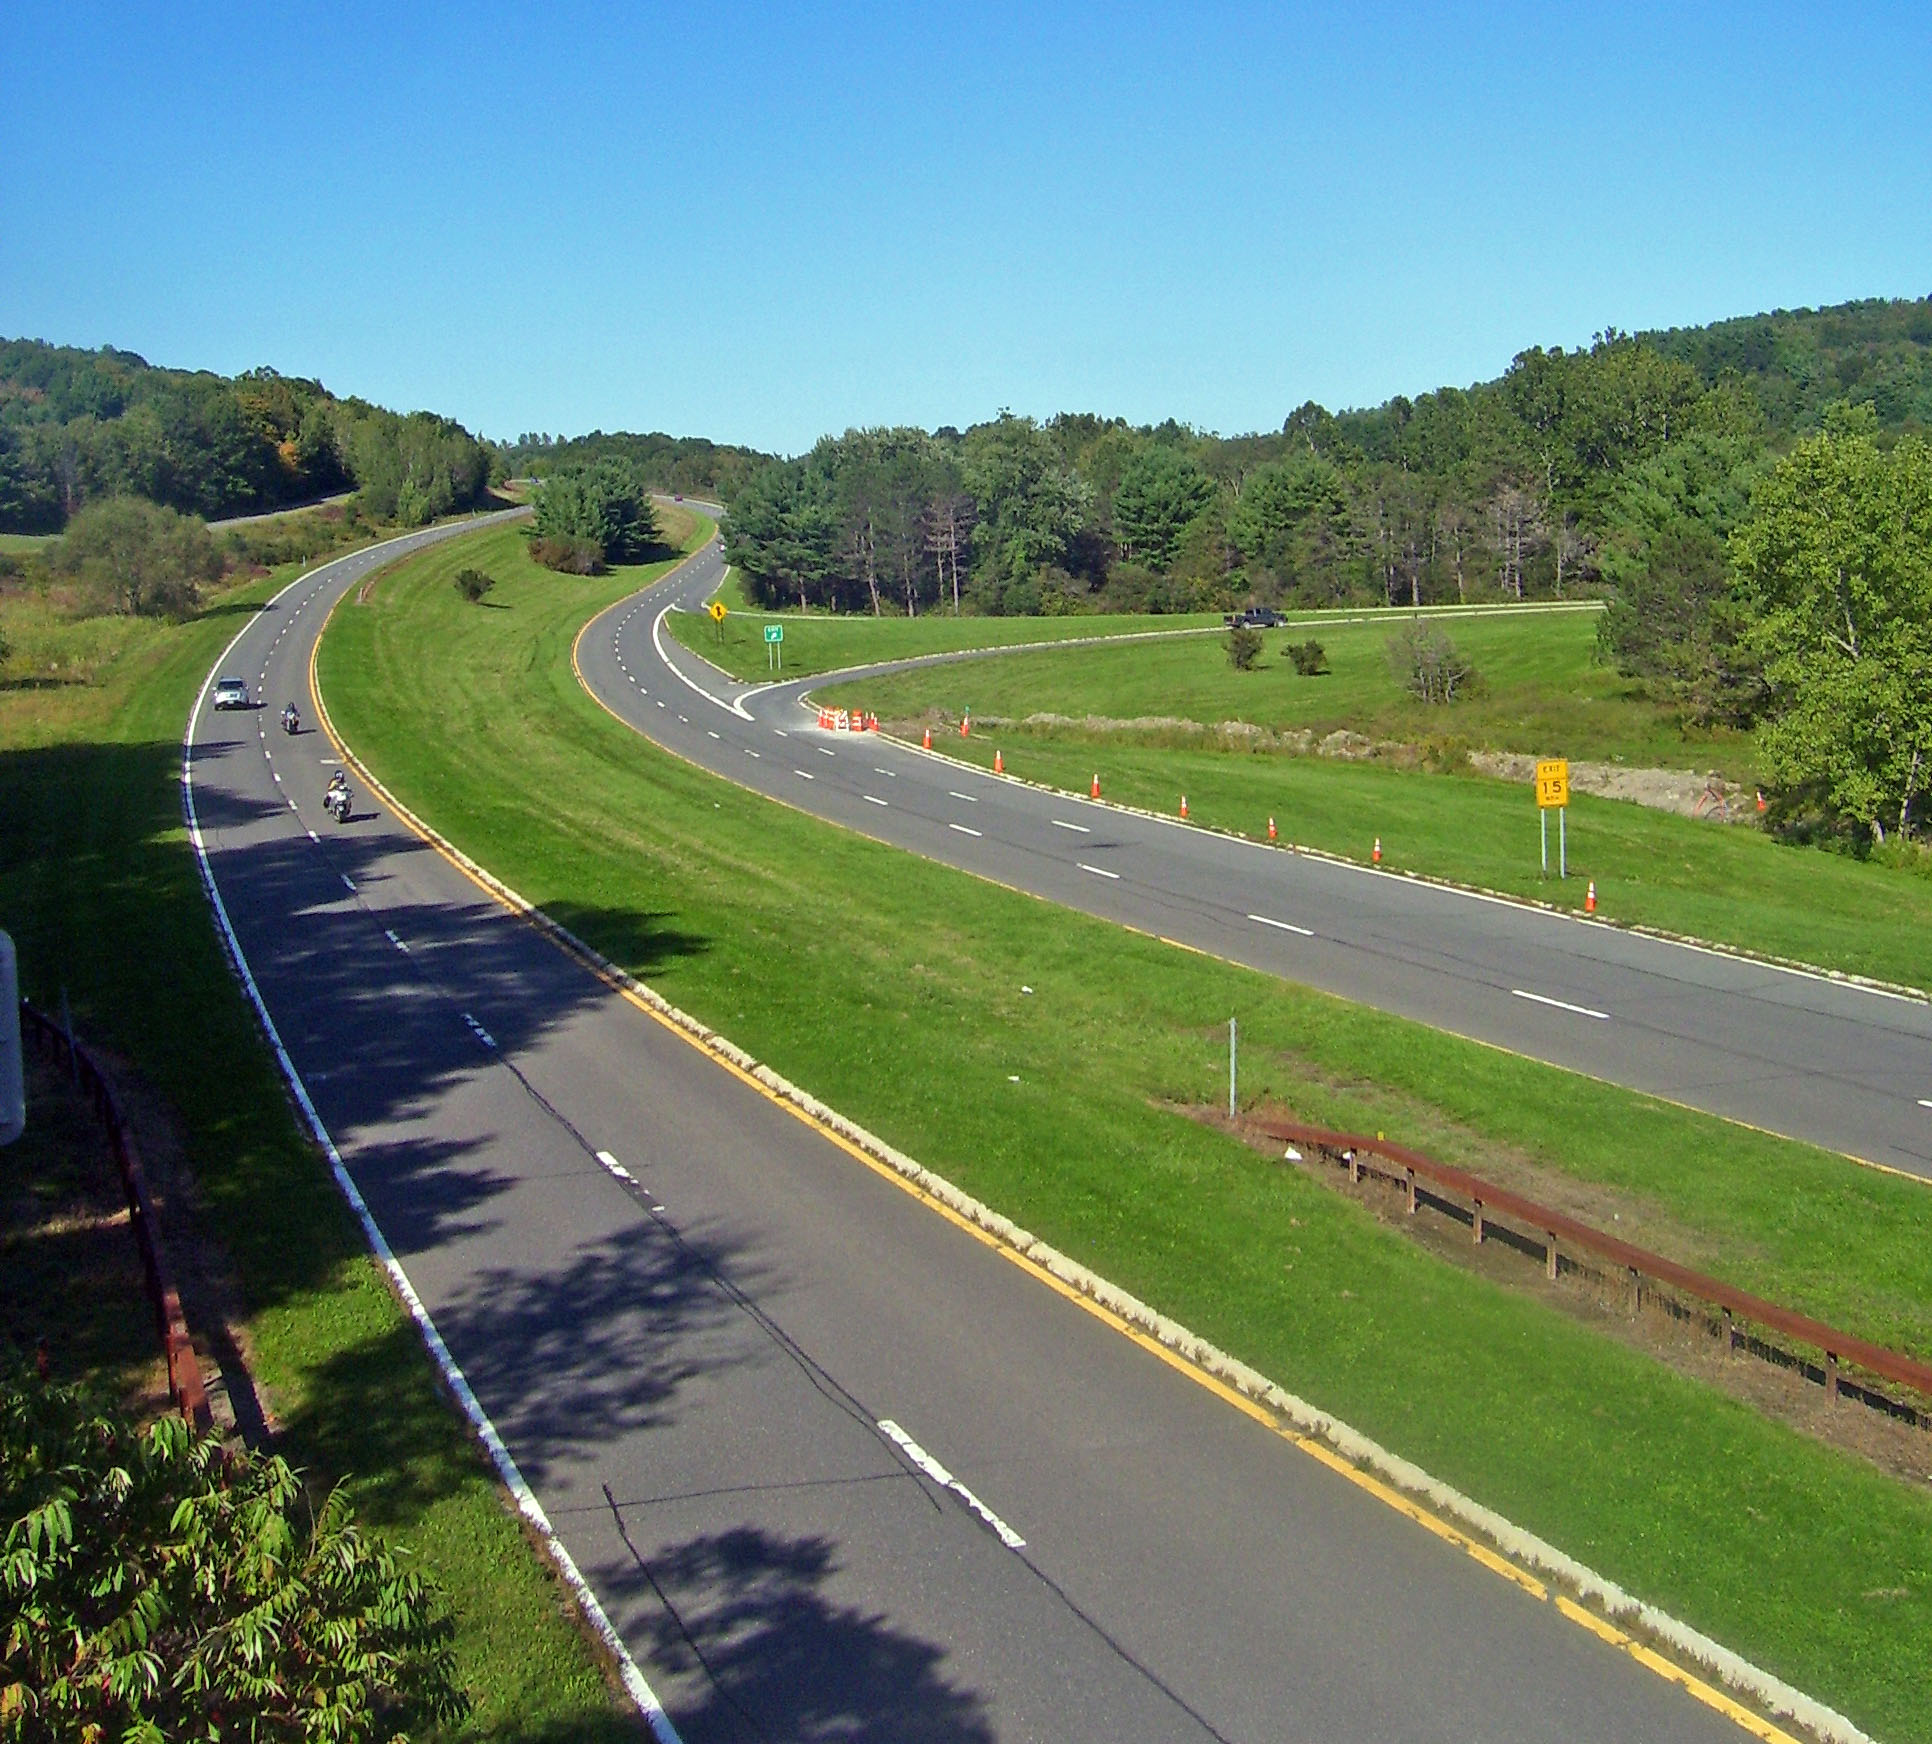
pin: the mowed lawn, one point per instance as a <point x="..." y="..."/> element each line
<point x="824" y="642"/>
<point x="763" y="922"/>
<point x="1543" y="691"/>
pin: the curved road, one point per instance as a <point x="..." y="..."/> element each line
<point x="711" y="1338"/>
<point x="1827" y="1061"/>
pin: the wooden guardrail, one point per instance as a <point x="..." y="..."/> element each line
<point x="184" y="1369"/>
<point x="1543" y="1225"/>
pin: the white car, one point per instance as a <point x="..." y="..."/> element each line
<point x="231" y="693"/>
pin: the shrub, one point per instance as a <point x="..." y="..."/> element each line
<point x="568" y="554"/>
<point x="1426" y="663"/>
<point x="138" y="557"/>
<point x="1310" y="658"/>
<point x="1244" y="648"/>
<point x="157" y="1588"/>
<point x="473" y="584"/>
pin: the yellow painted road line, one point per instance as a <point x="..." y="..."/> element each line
<point x="1384" y="1493"/>
<point x="1710" y="1696"/>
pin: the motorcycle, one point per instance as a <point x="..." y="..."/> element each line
<point x="291" y="721"/>
<point x="337" y="803"/>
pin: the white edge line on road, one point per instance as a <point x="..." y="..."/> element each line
<point x="1097" y="871"/>
<point x="657" y="642"/>
<point x="945" y="1479"/>
<point x="1179" y="1343"/>
<point x="635" y="1684"/>
<point x="1561" y="1004"/>
<point x="1286" y="926"/>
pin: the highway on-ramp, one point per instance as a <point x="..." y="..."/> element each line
<point x="834" y="1466"/>
<point x="1815" y="1058"/>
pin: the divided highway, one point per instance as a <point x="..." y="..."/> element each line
<point x="1827" y="1061"/>
<point x="834" y="1466"/>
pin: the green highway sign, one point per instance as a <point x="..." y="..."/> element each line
<point x="774" y="632"/>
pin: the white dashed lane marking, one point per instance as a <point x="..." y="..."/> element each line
<point x="1561" y="1004"/>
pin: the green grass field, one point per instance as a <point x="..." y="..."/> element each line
<point x="1545" y="694"/>
<point x="1805" y="1558"/>
<point x="825" y="642"/>
<point x="100" y="892"/>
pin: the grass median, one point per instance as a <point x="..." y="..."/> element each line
<point x="1064" y="1106"/>
<point x="99" y="888"/>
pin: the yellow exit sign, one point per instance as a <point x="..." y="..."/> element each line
<point x="1553" y="782"/>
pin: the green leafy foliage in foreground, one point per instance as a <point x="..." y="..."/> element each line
<point x="762" y="922"/>
<point x="155" y="1588"/>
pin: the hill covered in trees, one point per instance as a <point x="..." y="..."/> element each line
<point x="1559" y="475"/>
<point x="79" y="427"/>
<point x="688" y="465"/>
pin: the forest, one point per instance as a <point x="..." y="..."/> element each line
<point x="80" y="427"/>
<point x="1562" y="475"/>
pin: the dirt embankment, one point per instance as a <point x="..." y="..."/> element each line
<point x="1686" y="792"/>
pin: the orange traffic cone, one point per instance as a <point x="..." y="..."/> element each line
<point x="1183" y="806"/>
<point x="1590" y="898"/>
<point x="1376" y="857"/>
<point x="1096" y="787"/>
<point x="1761" y="805"/>
<point x="1271" y="829"/>
<point x="999" y="764"/>
<point x="928" y="739"/>
<point x="965" y="725"/>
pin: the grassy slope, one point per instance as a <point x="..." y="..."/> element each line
<point x="1785" y="1549"/>
<point x="100" y="891"/>
<point x="1545" y="693"/>
<point x="821" y="642"/>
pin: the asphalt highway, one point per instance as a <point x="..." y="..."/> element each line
<point x="835" y="1467"/>
<point x="1839" y="1065"/>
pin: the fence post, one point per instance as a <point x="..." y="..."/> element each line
<point x="1831" y="1374"/>
<point x="1549" y="1254"/>
<point x="1476" y="1223"/>
<point x="1412" y="1192"/>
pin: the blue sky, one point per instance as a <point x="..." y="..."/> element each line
<point x="760" y="225"/>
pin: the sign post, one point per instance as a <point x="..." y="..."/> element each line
<point x="774" y="647"/>
<point x="1553" y="794"/>
<point x="717" y="609"/>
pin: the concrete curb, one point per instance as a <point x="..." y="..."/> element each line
<point x="1731" y="1669"/>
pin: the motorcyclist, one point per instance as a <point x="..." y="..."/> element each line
<point x="291" y="721"/>
<point x="337" y="798"/>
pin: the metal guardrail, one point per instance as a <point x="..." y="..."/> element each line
<point x="184" y="1369"/>
<point x="1543" y="1225"/>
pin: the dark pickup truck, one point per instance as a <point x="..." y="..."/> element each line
<point x="1256" y="618"/>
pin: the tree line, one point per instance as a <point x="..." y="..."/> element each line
<point x="79" y="427"/>
<point x="1543" y="482"/>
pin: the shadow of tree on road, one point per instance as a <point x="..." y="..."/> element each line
<point x="745" y="1613"/>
